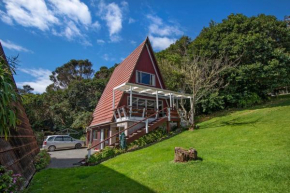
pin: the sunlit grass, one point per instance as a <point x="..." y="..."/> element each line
<point x="243" y="151"/>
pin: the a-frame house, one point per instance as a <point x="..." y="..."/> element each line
<point x="135" y="101"/>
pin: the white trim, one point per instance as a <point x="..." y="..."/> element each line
<point x="154" y="66"/>
<point x="145" y="89"/>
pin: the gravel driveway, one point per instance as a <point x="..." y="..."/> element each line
<point x="67" y="158"/>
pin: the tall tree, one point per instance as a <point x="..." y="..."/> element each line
<point x="71" y="71"/>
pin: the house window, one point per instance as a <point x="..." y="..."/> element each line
<point x="95" y="134"/>
<point x="145" y="78"/>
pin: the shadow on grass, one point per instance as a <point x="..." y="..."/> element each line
<point x="233" y="122"/>
<point x="85" y="179"/>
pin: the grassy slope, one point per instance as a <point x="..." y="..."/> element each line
<point x="245" y="151"/>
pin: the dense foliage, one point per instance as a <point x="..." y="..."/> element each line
<point x="70" y="107"/>
<point x="8" y="98"/>
<point x="9" y="182"/>
<point x="262" y="44"/>
<point x="41" y="160"/>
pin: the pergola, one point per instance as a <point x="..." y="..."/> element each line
<point x="150" y="91"/>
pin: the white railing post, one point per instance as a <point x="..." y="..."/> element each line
<point x="119" y="113"/>
<point x="102" y="138"/>
<point x="146" y="126"/>
<point x="131" y="101"/>
<point x="168" y="112"/>
<point x="143" y="115"/>
<point x="157" y="105"/>
<point x="114" y="112"/>
<point x="89" y="153"/>
<point x="124" y="111"/>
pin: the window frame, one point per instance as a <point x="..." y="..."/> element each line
<point x="152" y="78"/>
<point x="95" y="134"/>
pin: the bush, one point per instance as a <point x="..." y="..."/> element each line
<point x="9" y="182"/>
<point x="42" y="160"/>
<point x="151" y="137"/>
<point x="106" y="153"/>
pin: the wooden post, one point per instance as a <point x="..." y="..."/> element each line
<point x="178" y="124"/>
<point x="168" y="126"/>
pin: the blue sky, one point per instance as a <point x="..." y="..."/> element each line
<point x="48" y="33"/>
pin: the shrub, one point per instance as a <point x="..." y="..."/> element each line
<point x="41" y="160"/>
<point x="9" y="182"/>
<point x="106" y="153"/>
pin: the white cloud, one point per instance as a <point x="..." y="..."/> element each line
<point x="133" y="42"/>
<point x="96" y="25"/>
<point x="73" y="9"/>
<point x="100" y="41"/>
<point x="41" y="79"/>
<point x="131" y="20"/>
<point x="112" y="14"/>
<point x="5" y="18"/>
<point x="162" y="34"/>
<point x="12" y="46"/>
<point x="65" y="18"/>
<point x="161" y="43"/>
<point x="157" y="27"/>
<point x="30" y="13"/>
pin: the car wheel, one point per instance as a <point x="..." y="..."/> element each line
<point x="78" y="146"/>
<point x="51" y="148"/>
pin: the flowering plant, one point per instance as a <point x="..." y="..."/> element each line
<point x="9" y="182"/>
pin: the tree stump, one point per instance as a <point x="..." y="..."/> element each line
<point x="183" y="155"/>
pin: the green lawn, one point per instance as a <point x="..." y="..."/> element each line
<point x="244" y="151"/>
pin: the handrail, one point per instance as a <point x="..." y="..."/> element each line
<point x="126" y="129"/>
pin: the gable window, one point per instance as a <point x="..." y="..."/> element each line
<point x="145" y="78"/>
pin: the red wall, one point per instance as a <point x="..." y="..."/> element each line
<point x="144" y="64"/>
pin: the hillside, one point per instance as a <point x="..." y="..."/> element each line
<point x="243" y="151"/>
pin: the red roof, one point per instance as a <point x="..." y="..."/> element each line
<point x="122" y="73"/>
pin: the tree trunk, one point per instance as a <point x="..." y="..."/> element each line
<point x="192" y="110"/>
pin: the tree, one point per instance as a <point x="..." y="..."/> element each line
<point x="264" y="44"/>
<point x="25" y="89"/>
<point x="201" y="77"/>
<point x="71" y="71"/>
<point x="8" y="98"/>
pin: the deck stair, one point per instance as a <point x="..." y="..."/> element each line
<point x="142" y="131"/>
<point x="148" y="127"/>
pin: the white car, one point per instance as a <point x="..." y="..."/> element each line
<point x="53" y="142"/>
